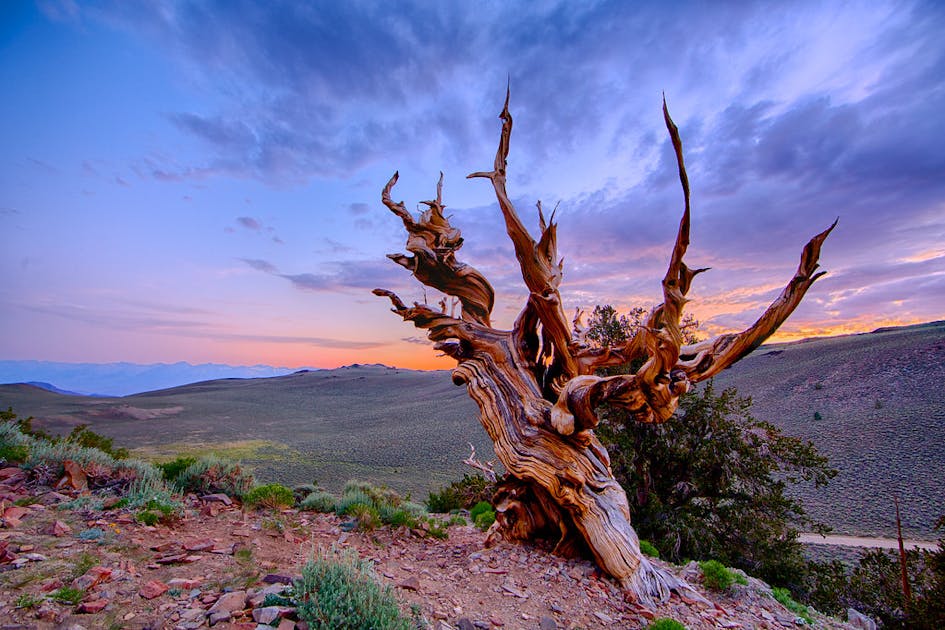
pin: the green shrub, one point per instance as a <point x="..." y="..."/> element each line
<point x="272" y="599"/>
<point x="212" y="475"/>
<point x="666" y="624"/>
<point x="351" y="499"/>
<point x="647" y="548"/>
<point x="379" y="495"/>
<point x="339" y="592"/>
<point x="171" y="470"/>
<point x="461" y="494"/>
<point x="319" y="501"/>
<point x="83" y="436"/>
<point x="273" y="496"/>
<point x="303" y="490"/>
<point x="148" y="517"/>
<point x="367" y="516"/>
<point x="437" y="528"/>
<point x="716" y="575"/>
<point x="397" y="517"/>
<point x="482" y="515"/>
<point x="28" y="601"/>
<point x="784" y="597"/>
<point x="13" y="454"/>
<point x="68" y="595"/>
<point x="46" y="454"/>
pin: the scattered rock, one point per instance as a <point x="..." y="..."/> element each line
<point x="152" y="589"/>
<point x="270" y="613"/>
<point x="228" y="604"/>
<point x="217" y="498"/>
<point x="547" y="623"/>
<point x="858" y="620"/>
<point x="465" y="624"/>
<point x="286" y="624"/>
<point x="13" y="514"/>
<point x="199" y="545"/>
<point x="74" y="477"/>
<point x="412" y="583"/>
<point x="275" y="578"/>
<point x="92" y="578"/>
<point x="184" y="584"/>
<point x="92" y="607"/>
<point x="57" y="529"/>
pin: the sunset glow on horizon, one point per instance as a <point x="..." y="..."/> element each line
<point x="200" y="181"/>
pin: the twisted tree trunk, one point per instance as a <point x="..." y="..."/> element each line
<point x="535" y="384"/>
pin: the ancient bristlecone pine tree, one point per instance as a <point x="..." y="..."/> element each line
<point x="536" y="385"/>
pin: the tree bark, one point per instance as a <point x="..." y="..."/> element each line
<point x="535" y="384"/>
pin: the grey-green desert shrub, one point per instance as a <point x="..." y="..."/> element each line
<point x="339" y="592"/>
<point x="273" y="496"/>
<point x="319" y="501"/>
<point x="350" y="499"/>
<point x="211" y="475"/>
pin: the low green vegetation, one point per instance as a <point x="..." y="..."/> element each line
<point x="273" y="496"/>
<point x="665" y="624"/>
<point x="319" y="501"/>
<point x="212" y="475"/>
<point x="482" y="515"/>
<point x="784" y="597"/>
<point x="337" y="591"/>
<point x="647" y="548"/>
<point x="716" y="575"/>
<point x="460" y="495"/>
<point x="67" y="595"/>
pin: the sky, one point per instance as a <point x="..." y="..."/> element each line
<point x="200" y="181"/>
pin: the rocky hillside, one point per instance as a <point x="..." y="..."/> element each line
<point x="83" y="568"/>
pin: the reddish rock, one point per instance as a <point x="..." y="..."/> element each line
<point x="92" y="578"/>
<point x="184" y="584"/>
<point x="74" y="478"/>
<point x="229" y="603"/>
<point x="199" y="545"/>
<point x="92" y="607"/>
<point x="153" y="589"/>
<point x="412" y="583"/>
<point x="13" y="514"/>
<point x="286" y="624"/>
<point x="6" y="556"/>
<point x="10" y="471"/>
<point x="164" y="546"/>
<point x="173" y="558"/>
<point x="217" y="498"/>
<point x="50" y="585"/>
<point x="57" y="529"/>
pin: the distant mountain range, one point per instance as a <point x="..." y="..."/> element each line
<point x="123" y="379"/>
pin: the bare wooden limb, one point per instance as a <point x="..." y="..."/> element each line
<point x="434" y="243"/>
<point x="487" y="468"/>
<point x="536" y="386"/>
<point x="541" y="269"/>
<point x="706" y="359"/>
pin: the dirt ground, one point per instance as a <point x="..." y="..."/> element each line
<point x="215" y="565"/>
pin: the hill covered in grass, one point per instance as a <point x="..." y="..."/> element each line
<point x="408" y="429"/>
<point x="873" y="403"/>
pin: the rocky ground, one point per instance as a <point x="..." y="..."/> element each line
<point x="215" y="565"/>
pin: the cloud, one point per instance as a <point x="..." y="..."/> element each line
<point x="261" y="265"/>
<point x="149" y="318"/>
<point x="249" y="223"/>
